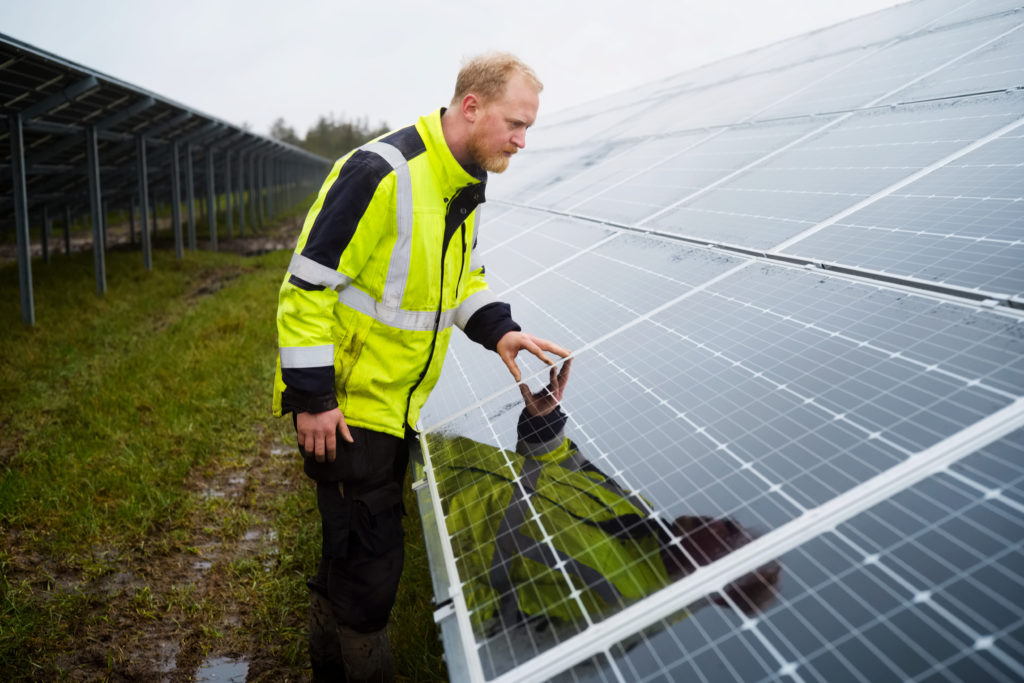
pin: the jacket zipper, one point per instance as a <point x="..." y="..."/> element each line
<point x="437" y="316"/>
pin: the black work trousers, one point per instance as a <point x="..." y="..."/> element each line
<point x="359" y="496"/>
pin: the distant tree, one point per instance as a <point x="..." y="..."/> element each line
<point x="330" y="137"/>
<point x="280" y="130"/>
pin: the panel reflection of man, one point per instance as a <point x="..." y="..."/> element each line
<point x="502" y="507"/>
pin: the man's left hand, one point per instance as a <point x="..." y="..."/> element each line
<point x="512" y="343"/>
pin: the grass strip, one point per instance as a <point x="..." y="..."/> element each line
<point x="153" y="512"/>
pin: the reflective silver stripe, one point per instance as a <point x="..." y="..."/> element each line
<point x="472" y="304"/>
<point x="315" y="273"/>
<point x="401" y="255"/>
<point x="510" y="541"/>
<point x="393" y="316"/>
<point x="307" y="356"/>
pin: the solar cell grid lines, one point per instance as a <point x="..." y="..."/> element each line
<point x="792" y="282"/>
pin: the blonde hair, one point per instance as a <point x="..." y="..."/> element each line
<point x="487" y="75"/>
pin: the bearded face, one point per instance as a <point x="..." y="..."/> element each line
<point x="484" y="153"/>
<point x="499" y="128"/>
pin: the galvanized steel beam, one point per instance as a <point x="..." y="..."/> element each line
<point x="241" y="194"/>
<point x="190" y="197"/>
<point x="96" y="209"/>
<point x="179" y="250"/>
<point x="28" y="312"/>
<point x="138" y="107"/>
<point x="252" y="189"/>
<point x="147" y="248"/>
<point x="161" y="128"/>
<point x="74" y="129"/>
<point x="227" y="191"/>
<point x="211" y="200"/>
<point x="262" y="190"/>
<point x="59" y="100"/>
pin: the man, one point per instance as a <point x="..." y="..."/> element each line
<point x="541" y="535"/>
<point x="386" y="263"/>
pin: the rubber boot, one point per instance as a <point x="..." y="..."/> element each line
<point x="324" y="650"/>
<point x="367" y="656"/>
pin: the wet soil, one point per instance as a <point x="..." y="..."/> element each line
<point x="174" y="609"/>
<point x="177" y="611"/>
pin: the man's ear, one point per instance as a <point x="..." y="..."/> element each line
<point x="471" y="107"/>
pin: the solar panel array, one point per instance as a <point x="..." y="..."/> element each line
<point x="74" y="141"/>
<point x="792" y="282"/>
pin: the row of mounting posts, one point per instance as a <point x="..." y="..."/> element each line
<point x="262" y="181"/>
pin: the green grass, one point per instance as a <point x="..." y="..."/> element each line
<point x="115" y="413"/>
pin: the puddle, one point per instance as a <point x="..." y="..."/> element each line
<point x="202" y="565"/>
<point x="167" y="654"/>
<point x="254" y="535"/>
<point x="222" y="669"/>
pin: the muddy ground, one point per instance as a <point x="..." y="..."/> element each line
<point x="171" y="614"/>
<point x="155" y="617"/>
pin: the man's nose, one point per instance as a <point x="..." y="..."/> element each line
<point x="519" y="139"/>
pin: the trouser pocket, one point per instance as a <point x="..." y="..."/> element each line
<point x="353" y="462"/>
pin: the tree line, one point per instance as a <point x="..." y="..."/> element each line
<point x="329" y="137"/>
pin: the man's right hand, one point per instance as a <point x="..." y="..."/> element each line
<point x="547" y="399"/>
<point x="316" y="433"/>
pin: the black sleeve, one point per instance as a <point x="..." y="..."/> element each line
<point x="539" y="429"/>
<point x="343" y="207"/>
<point x="312" y="389"/>
<point x="492" y="322"/>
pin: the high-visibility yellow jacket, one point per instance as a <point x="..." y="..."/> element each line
<point x="383" y="268"/>
<point x="541" y="531"/>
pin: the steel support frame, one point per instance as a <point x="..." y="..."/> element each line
<point x="261" y="190"/>
<point x="15" y="129"/>
<point x="227" y="193"/>
<point x="211" y="199"/>
<point x="147" y="245"/>
<point x="190" y="196"/>
<point x="271" y="185"/>
<point x="179" y="248"/>
<point x="241" y="194"/>
<point x="251" y="177"/>
<point x="96" y="208"/>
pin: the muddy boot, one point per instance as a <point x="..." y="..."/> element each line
<point x="324" y="650"/>
<point x="367" y="656"/>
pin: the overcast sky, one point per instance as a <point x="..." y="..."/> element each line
<point x="393" y="60"/>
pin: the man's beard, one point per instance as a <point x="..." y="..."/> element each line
<point x="495" y="163"/>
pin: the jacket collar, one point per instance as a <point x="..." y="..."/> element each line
<point x="450" y="173"/>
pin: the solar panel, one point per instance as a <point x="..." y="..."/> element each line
<point x="796" y="405"/>
<point x="961" y="224"/>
